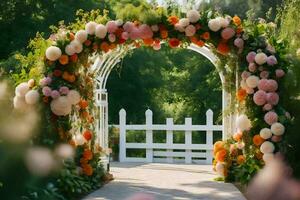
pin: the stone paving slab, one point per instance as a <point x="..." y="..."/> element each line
<point x="165" y="182"/>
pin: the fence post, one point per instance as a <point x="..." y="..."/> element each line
<point x="122" y="146"/>
<point x="149" y="135"/>
<point x="169" y="139"/>
<point x="188" y="141"/>
<point x="209" y="136"/>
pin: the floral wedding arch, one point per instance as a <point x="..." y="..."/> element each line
<point x="250" y="60"/>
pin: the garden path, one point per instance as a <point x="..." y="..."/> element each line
<point x="165" y="182"/>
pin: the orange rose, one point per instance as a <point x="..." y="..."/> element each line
<point x="223" y="48"/>
<point x="206" y="36"/>
<point x="237" y="136"/>
<point x="87" y="169"/>
<point x="83" y="104"/>
<point x="174" y="42"/>
<point x="71" y="36"/>
<point x="240" y="159"/>
<point x="104" y="47"/>
<point x="64" y="59"/>
<point x="164" y="34"/>
<point x="236" y="20"/>
<point x="173" y="20"/>
<point x="241" y="94"/>
<point x="200" y="43"/>
<point x="218" y="146"/>
<point x="87" y="154"/>
<point x="87" y="135"/>
<point x="74" y="58"/>
<point x="221" y="155"/>
<point x="148" y="41"/>
<point x="257" y="140"/>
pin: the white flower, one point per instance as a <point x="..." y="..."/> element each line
<point x="64" y="151"/>
<point x="261" y="58"/>
<point x="70" y="50"/>
<point x="73" y="97"/>
<point x="101" y="31"/>
<point x="190" y="30"/>
<point x="39" y="161"/>
<point x="77" y="46"/>
<point x="267" y="147"/>
<point x="154" y="28"/>
<point x="81" y="36"/>
<point x="19" y="103"/>
<point x="79" y="139"/>
<point x="243" y="123"/>
<point x="53" y="53"/>
<point x="32" y="97"/>
<point x="223" y="21"/>
<point x="31" y="83"/>
<point x="268" y="157"/>
<point x="22" y="89"/>
<point x="61" y="106"/>
<point x="252" y="81"/>
<point x="184" y="22"/>
<point x="265" y="133"/>
<point x="277" y="128"/>
<point x="119" y="22"/>
<point x="193" y="16"/>
<point x="90" y="27"/>
<point x="179" y="28"/>
<point x="214" y="25"/>
<point x="112" y="37"/>
<point x="220" y="169"/>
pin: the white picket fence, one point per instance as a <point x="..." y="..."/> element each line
<point x="169" y="152"/>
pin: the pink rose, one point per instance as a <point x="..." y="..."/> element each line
<point x="125" y="35"/>
<point x="263" y="84"/>
<point x="271" y="60"/>
<point x="128" y="26"/>
<point x="264" y="74"/>
<point x="46" y="91"/>
<point x="279" y="73"/>
<point x="64" y="90"/>
<point x="272" y="98"/>
<point x="135" y="33"/>
<point x="145" y="31"/>
<point x="267" y="107"/>
<point x="227" y="33"/>
<point x="252" y="67"/>
<point x="251" y="57"/>
<point x="239" y="43"/>
<point x="272" y="85"/>
<point x="111" y="26"/>
<point x="245" y="75"/>
<point x="259" y="97"/>
<point x="271" y="117"/>
<point x="55" y="94"/>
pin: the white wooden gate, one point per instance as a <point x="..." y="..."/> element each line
<point x="191" y="153"/>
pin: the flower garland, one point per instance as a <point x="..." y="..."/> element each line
<point x="67" y="87"/>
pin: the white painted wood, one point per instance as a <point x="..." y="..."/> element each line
<point x="209" y="136"/>
<point x="149" y="135"/>
<point x="169" y="138"/>
<point x="122" y="142"/>
<point x="188" y="141"/>
<point x="170" y="153"/>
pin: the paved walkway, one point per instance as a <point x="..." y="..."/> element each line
<point x="165" y="181"/>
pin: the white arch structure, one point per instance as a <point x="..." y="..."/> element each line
<point x="103" y="65"/>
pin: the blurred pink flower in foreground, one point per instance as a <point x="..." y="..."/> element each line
<point x="141" y="196"/>
<point x="274" y="182"/>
